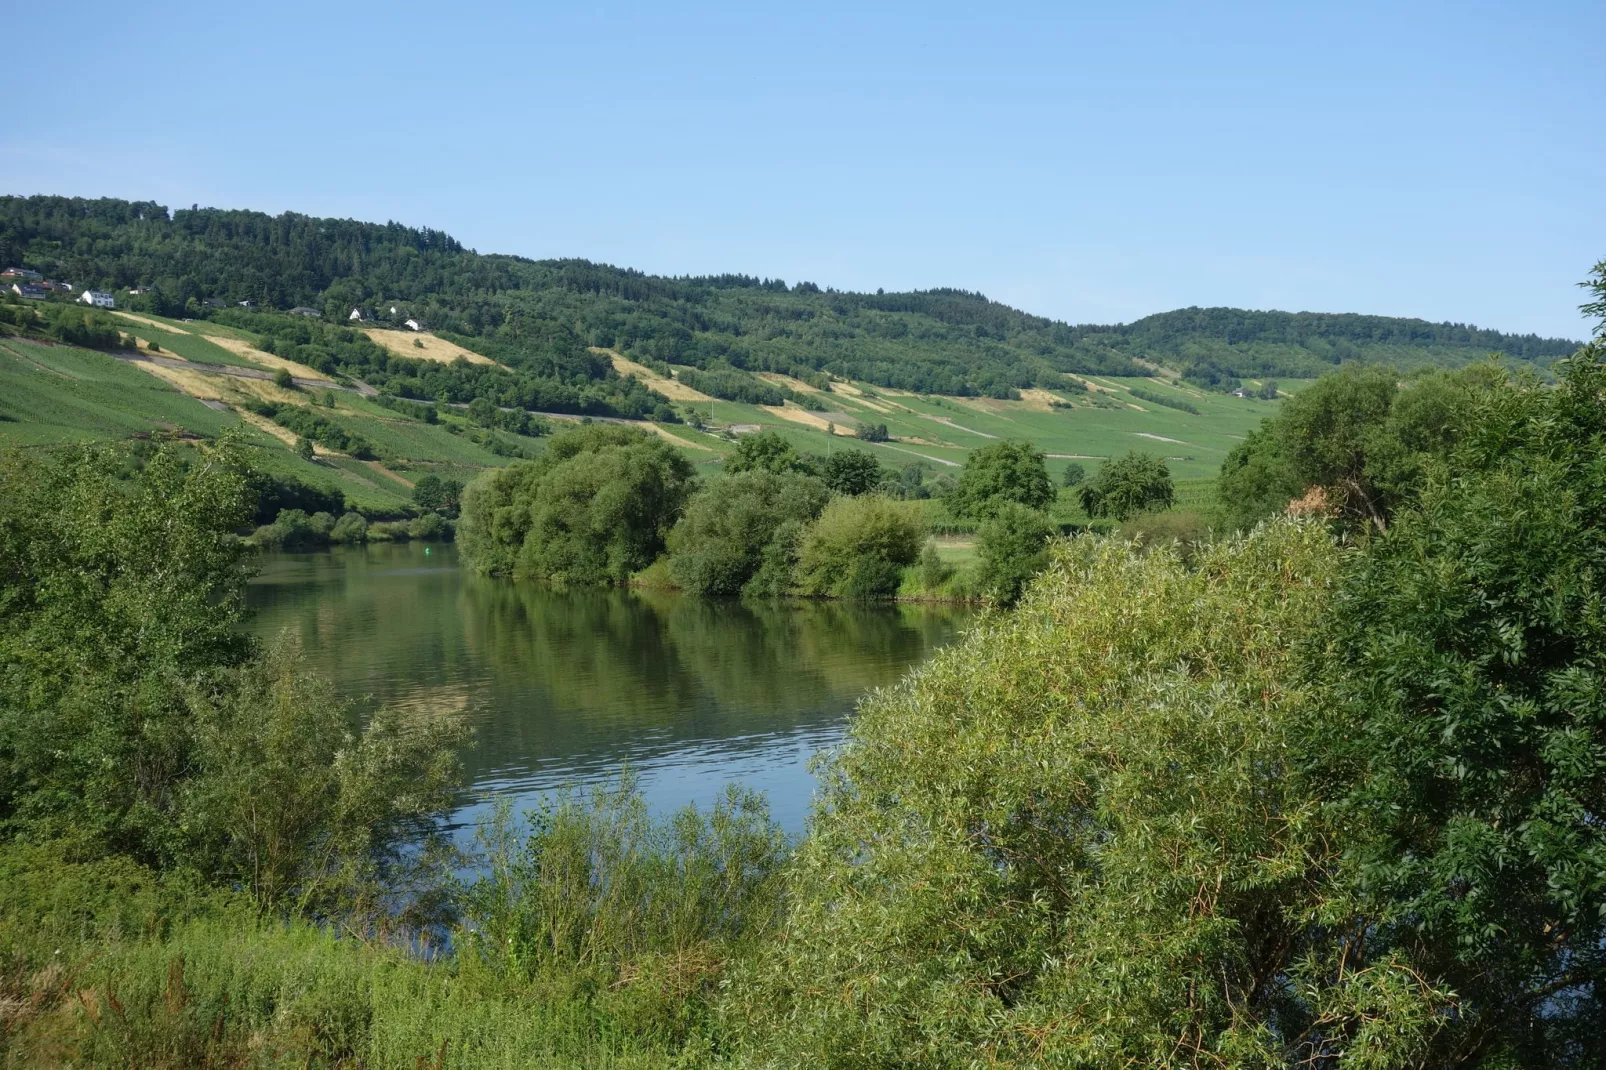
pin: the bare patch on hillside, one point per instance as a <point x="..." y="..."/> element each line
<point x="147" y="321"/>
<point x="673" y="389"/>
<point x="807" y="418"/>
<point x="438" y="350"/>
<point x="266" y="360"/>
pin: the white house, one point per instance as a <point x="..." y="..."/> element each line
<point x="414" y="324"/>
<point x="98" y="298"/>
<point x="356" y="314"/>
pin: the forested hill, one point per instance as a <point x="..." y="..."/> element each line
<point x="532" y="313"/>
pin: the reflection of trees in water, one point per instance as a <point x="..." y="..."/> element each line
<point x="547" y="675"/>
<point x="639" y="662"/>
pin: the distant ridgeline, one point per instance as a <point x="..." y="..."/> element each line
<point x="538" y="317"/>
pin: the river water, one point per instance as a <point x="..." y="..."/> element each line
<point x="568" y="686"/>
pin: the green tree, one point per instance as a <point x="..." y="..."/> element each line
<point x="730" y="530"/>
<point x="851" y="472"/>
<point x="1011" y="548"/>
<point x="1074" y="474"/>
<point x="283" y="380"/>
<point x="482" y="410"/>
<point x="1127" y="486"/>
<point x="872" y="433"/>
<point x="1462" y="736"/>
<point x="858" y="548"/>
<point x="766" y="451"/>
<point x="304" y="448"/>
<point x="1007" y="471"/>
<point x="596" y="506"/>
<point x="1074" y="839"/>
<point x="1353" y="444"/>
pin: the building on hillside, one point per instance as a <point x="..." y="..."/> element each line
<point x="303" y="310"/>
<point x="29" y="291"/>
<point x="136" y="291"/>
<point x="215" y="302"/>
<point x="356" y="316"/>
<point x="62" y="287"/>
<point x="98" y="298"/>
<point x="21" y="273"/>
<point x="415" y="324"/>
<point x="245" y="304"/>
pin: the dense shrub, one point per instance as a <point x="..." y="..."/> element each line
<point x="1011" y="548"/>
<point x="595" y="507"/>
<point x="858" y="548"/>
<point x="729" y="531"/>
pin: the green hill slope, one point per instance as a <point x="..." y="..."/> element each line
<point x="541" y="318"/>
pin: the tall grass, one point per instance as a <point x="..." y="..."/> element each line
<point x="597" y="937"/>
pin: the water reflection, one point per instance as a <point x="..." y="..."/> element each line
<point x="568" y="685"/>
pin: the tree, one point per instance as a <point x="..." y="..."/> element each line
<point x="730" y="529"/>
<point x="1462" y="736"/>
<point x="1011" y="548"/>
<point x="851" y="472"/>
<point x="1073" y="839"/>
<point x="858" y="548"/>
<point x="1129" y="485"/>
<point x="482" y="410"/>
<point x="1006" y="471"/>
<point x="1359" y="439"/>
<point x="304" y="448"/>
<point x="596" y="506"/>
<point x="872" y="433"/>
<point x="766" y="450"/>
<point x="1074" y="474"/>
<point x="283" y="380"/>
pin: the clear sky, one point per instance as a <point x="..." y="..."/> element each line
<point x="1090" y="162"/>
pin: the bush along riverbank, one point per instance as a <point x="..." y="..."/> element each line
<point x="609" y="504"/>
<point x="1322" y="794"/>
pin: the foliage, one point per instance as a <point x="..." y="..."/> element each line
<point x="853" y="472"/>
<point x="1154" y="397"/>
<point x="1072" y="839"/>
<point x="1127" y="486"/>
<point x="1005" y="471"/>
<point x="596" y="506"/>
<point x="1011" y="548"/>
<point x="1358" y="437"/>
<point x="295" y="530"/>
<point x="137" y="719"/>
<point x="766" y="451"/>
<point x="1073" y="475"/>
<point x="316" y="427"/>
<point x="1462" y="739"/>
<point x="430" y="491"/>
<point x="868" y="432"/>
<point x="599" y="887"/>
<point x="858" y="548"/>
<point x="736" y="524"/>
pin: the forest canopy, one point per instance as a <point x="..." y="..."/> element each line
<point x="531" y="313"/>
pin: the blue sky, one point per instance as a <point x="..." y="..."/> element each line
<point x="1090" y="162"/>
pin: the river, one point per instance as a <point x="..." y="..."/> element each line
<point x="568" y="686"/>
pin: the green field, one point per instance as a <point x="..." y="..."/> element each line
<point x="51" y="394"/>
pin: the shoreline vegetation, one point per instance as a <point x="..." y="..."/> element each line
<point x="1315" y="782"/>
<point x="607" y="504"/>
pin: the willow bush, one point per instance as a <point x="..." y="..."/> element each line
<point x="1076" y="838"/>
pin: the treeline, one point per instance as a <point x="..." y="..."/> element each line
<point x="73" y="325"/>
<point x="609" y="504"/>
<point x="532" y="314"/>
